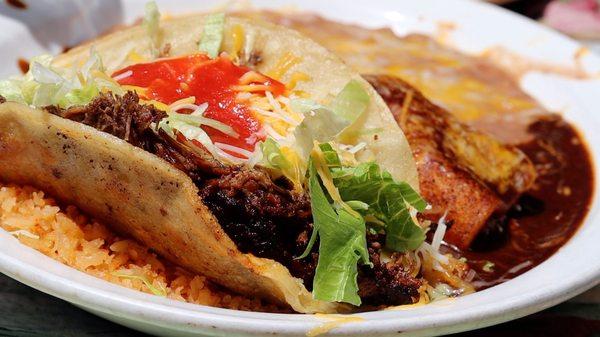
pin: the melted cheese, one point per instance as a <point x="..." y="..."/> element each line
<point x="470" y="87"/>
<point x="334" y="322"/>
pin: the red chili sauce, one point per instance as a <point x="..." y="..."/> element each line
<point x="211" y="81"/>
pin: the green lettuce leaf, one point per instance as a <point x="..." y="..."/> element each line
<point x="190" y="126"/>
<point x="151" y="25"/>
<point x="212" y="34"/>
<point x="331" y="156"/>
<point x="388" y="202"/>
<point x="158" y="291"/>
<point x="284" y="161"/>
<point x="351" y="102"/>
<point x="44" y="85"/>
<point x="366" y="194"/>
<point x="342" y="245"/>
<point x="273" y="156"/>
<point x="323" y="123"/>
<point x="320" y="124"/>
<point x="11" y="90"/>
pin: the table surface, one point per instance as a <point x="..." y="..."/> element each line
<point x="25" y="312"/>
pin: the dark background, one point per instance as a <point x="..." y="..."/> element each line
<point x="531" y="8"/>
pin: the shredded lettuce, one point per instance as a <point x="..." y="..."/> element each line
<point x="151" y="25"/>
<point x="488" y="267"/>
<point x="45" y="85"/>
<point x="191" y="131"/>
<point x="284" y="160"/>
<point x="26" y="233"/>
<point x="158" y="291"/>
<point x="351" y="102"/>
<point x="342" y="245"/>
<point x="212" y="34"/>
<point x="364" y="198"/>
<point x="190" y="126"/>
<point x="440" y="292"/>
<point x="319" y="123"/>
<point x="198" y="119"/>
<point x="273" y="156"/>
<point x="11" y="90"/>
<point x="323" y="123"/>
<point x="332" y="159"/>
<point x="22" y="89"/>
<point x="359" y="206"/>
<point x="388" y="201"/>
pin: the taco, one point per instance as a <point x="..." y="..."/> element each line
<point x="234" y="148"/>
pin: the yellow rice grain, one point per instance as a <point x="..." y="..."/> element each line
<point x="72" y="238"/>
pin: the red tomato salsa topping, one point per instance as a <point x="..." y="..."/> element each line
<point x="213" y="81"/>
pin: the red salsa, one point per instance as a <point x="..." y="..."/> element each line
<point x="212" y="81"/>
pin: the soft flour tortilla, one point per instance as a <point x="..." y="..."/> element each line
<point x="143" y="196"/>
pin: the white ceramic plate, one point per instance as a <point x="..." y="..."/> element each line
<point x="575" y="268"/>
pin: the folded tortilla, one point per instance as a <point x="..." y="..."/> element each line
<point x="142" y="196"/>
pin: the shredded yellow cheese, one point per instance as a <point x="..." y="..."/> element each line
<point x="184" y="86"/>
<point x="301" y="94"/>
<point x="274" y="112"/>
<point x="405" y="106"/>
<point x="250" y="77"/>
<point x="252" y="88"/>
<point x="321" y="166"/>
<point x="159" y="105"/>
<point x="297" y="77"/>
<point x="298" y="166"/>
<point x="139" y="90"/>
<point x="81" y="78"/>
<point x="237" y="33"/>
<point x="287" y="61"/>
<point x="134" y="57"/>
<point x="187" y="100"/>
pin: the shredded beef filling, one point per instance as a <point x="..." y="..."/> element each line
<point x="387" y="282"/>
<point x="262" y="216"/>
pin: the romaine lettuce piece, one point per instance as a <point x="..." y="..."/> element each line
<point x="352" y="197"/>
<point x="351" y="102"/>
<point x="323" y="123"/>
<point x="212" y="34"/>
<point x="151" y="25"/>
<point x="388" y="202"/>
<point x="44" y="85"/>
<point x="285" y="161"/>
<point x="342" y="245"/>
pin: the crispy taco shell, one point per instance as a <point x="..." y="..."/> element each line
<point x="145" y="197"/>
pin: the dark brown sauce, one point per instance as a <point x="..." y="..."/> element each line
<point x="547" y="216"/>
<point x="23" y="65"/>
<point x="18" y="4"/>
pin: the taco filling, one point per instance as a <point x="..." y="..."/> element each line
<point x="287" y="177"/>
<point x="231" y="130"/>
